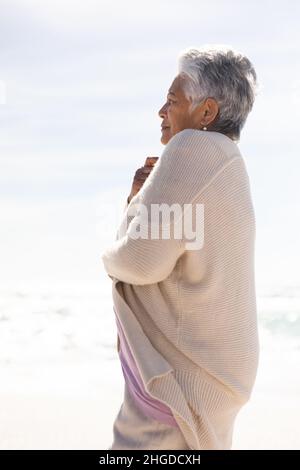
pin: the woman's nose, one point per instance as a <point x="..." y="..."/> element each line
<point x="162" y="111"/>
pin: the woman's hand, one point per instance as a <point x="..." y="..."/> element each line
<point x="141" y="175"/>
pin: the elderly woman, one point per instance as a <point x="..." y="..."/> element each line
<point x="186" y="312"/>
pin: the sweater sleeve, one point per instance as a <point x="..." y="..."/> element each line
<point x="118" y="230"/>
<point x="124" y="212"/>
<point x="138" y="257"/>
<point x="137" y="260"/>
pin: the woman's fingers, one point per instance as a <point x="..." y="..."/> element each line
<point x="151" y="161"/>
<point x="142" y="174"/>
<point x="143" y="171"/>
<point x="147" y="169"/>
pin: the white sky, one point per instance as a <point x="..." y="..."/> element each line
<point x="84" y="82"/>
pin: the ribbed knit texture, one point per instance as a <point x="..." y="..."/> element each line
<point x="190" y="316"/>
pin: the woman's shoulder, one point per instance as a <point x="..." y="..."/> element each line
<point x="193" y="154"/>
<point x="208" y="141"/>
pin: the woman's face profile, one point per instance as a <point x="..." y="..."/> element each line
<point x="174" y="113"/>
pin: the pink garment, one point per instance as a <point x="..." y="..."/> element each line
<point x="148" y="405"/>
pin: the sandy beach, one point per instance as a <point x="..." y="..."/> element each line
<point x="48" y="421"/>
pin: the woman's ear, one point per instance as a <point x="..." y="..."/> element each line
<point x="211" y="111"/>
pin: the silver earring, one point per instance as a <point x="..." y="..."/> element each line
<point x="204" y="128"/>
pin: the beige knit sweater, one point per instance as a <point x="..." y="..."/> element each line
<point x="190" y="315"/>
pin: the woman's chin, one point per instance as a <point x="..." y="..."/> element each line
<point x="165" y="136"/>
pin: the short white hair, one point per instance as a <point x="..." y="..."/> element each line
<point x="219" y="72"/>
